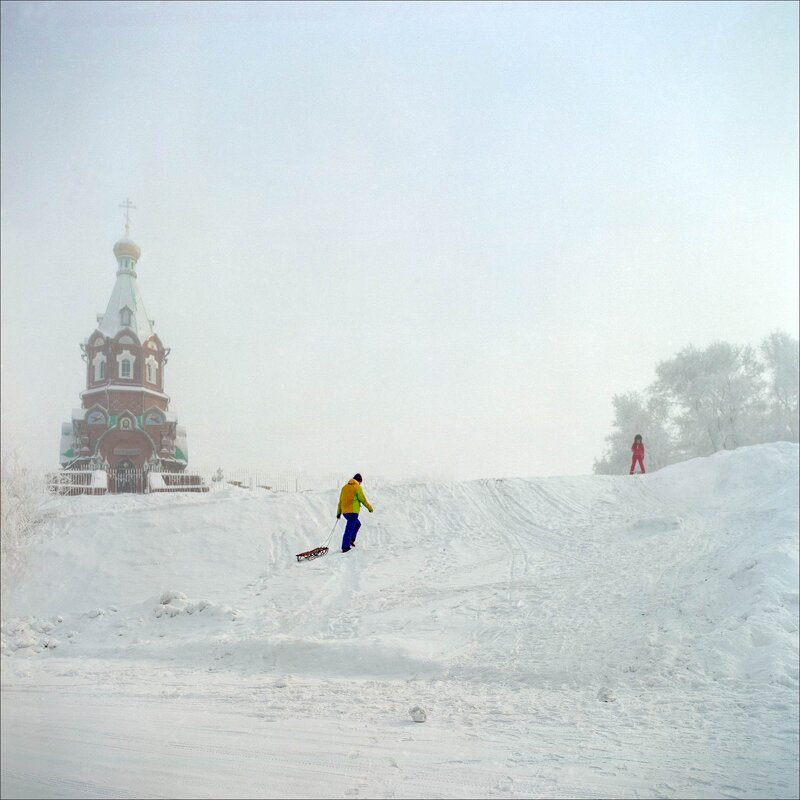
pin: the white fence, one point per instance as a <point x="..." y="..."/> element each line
<point x="272" y="480"/>
<point x="138" y="481"/>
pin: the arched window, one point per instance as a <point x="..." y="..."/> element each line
<point x="151" y="367"/>
<point x="99" y="362"/>
<point x="125" y="317"/>
<point x="125" y="360"/>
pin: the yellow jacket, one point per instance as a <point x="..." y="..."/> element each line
<point x="350" y="499"/>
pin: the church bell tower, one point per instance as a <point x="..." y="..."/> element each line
<point x="124" y="422"/>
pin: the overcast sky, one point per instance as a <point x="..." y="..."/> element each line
<point x="412" y="239"/>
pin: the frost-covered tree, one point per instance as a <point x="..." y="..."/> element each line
<point x="21" y="495"/>
<point x="781" y="355"/>
<point x="715" y="395"/>
<point x="702" y="401"/>
<point x="634" y="414"/>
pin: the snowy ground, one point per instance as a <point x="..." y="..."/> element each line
<point x="568" y="637"/>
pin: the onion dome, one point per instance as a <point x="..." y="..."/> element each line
<point x="127" y="248"/>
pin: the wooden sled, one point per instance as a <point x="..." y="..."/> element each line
<point x="315" y="553"/>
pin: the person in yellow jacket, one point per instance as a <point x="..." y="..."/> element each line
<point x="351" y="498"/>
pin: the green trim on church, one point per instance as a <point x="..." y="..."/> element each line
<point x="114" y="419"/>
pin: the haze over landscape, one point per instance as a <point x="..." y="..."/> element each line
<point x="465" y="249"/>
<point x="410" y="239"/>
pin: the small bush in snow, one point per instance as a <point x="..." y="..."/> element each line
<point x="418" y="714"/>
<point x="174" y="604"/>
<point x="168" y="597"/>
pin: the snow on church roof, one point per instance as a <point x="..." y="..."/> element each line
<point x="126" y="308"/>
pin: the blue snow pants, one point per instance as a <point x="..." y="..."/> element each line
<point x="350" y="530"/>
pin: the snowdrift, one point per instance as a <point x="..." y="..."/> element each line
<point x="691" y="571"/>
<point x="683" y="583"/>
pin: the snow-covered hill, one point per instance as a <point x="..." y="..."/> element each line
<point x="572" y="637"/>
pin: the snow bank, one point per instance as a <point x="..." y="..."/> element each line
<point x="665" y="602"/>
<point x="689" y="571"/>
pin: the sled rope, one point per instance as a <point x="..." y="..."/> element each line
<point x="330" y="535"/>
<point x="321" y="550"/>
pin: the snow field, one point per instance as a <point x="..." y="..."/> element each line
<point x="572" y="637"/>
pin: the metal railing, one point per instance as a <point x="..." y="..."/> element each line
<point x="144" y="481"/>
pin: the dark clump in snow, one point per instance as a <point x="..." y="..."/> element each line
<point x="606" y="695"/>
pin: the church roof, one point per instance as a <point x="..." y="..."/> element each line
<point x="126" y="295"/>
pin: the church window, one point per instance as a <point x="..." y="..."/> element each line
<point x="125" y="360"/>
<point x="125" y="316"/>
<point x="99" y="362"/>
<point x="150" y="370"/>
<point x="97" y="418"/>
<point x="153" y="418"/>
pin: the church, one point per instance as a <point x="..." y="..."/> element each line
<point x="124" y="426"/>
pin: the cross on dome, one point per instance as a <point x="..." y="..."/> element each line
<point x="127" y="205"/>
<point x="125" y="246"/>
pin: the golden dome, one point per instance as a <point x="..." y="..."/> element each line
<point x="127" y="247"/>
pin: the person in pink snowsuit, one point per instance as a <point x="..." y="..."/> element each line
<point x="637" y="448"/>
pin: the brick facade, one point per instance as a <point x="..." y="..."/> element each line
<point x="124" y="420"/>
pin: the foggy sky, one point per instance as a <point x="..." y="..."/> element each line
<point x="407" y="239"/>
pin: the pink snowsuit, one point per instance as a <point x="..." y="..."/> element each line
<point x="637" y="448"/>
